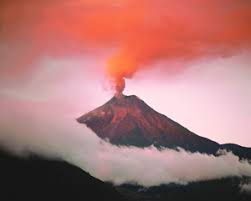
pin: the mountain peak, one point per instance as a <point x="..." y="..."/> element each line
<point x="127" y="103"/>
<point x="123" y="98"/>
<point x="128" y="120"/>
<point x="119" y="95"/>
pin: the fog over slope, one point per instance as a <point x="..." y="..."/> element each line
<point x="49" y="130"/>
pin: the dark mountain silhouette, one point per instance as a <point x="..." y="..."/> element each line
<point x="35" y="178"/>
<point x="40" y="179"/>
<point x="127" y="120"/>
<point x="227" y="189"/>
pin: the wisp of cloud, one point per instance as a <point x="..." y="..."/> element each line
<point x="44" y="129"/>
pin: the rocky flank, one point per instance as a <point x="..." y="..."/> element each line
<point x="127" y="120"/>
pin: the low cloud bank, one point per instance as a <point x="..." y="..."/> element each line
<point x="52" y="132"/>
<point x="246" y="187"/>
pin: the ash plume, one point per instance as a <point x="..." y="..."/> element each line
<point x="139" y="33"/>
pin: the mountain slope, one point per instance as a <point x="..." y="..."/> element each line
<point x="127" y="120"/>
<point x="36" y="178"/>
<point x="226" y="189"/>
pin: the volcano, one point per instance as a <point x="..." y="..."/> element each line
<point x="127" y="120"/>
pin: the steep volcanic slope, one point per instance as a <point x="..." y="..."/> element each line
<point x="127" y="120"/>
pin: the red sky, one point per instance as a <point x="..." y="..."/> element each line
<point x="141" y="32"/>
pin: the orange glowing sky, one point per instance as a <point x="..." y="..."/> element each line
<point x="141" y="32"/>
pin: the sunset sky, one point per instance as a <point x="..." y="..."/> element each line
<point x="189" y="60"/>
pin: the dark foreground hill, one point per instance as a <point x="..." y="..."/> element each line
<point x="35" y="179"/>
<point x="228" y="189"/>
<point x="127" y="120"/>
<point x="39" y="179"/>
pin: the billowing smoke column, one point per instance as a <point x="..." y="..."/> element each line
<point x="119" y="67"/>
<point x="120" y="86"/>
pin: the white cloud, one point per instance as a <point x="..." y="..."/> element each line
<point x="246" y="188"/>
<point x="53" y="132"/>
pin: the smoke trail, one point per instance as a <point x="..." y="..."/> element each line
<point x="142" y="32"/>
